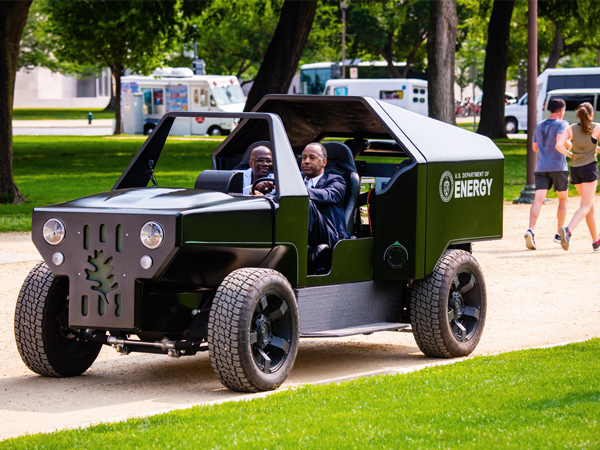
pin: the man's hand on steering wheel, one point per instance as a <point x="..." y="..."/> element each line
<point x="262" y="186"/>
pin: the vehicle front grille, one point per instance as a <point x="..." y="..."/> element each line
<point x="102" y="294"/>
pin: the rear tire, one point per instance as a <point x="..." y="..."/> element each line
<point x="448" y="307"/>
<point x="215" y="131"/>
<point x="46" y="345"/>
<point x="253" y="330"/>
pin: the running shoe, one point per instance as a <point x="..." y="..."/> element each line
<point x="565" y="237"/>
<point x="596" y="245"/>
<point x="557" y="238"/>
<point x="529" y="241"/>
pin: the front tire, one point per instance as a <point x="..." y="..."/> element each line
<point x="448" y="307"/>
<point x="253" y="330"/>
<point x="511" y="125"/>
<point x="46" y="344"/>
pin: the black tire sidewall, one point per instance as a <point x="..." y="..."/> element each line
<point x="261" y="380"/>
<point x="230" y="324"/>
<point x="463" y="260"/>
<point x="42" y="299"/>
<point x="429" y="307"/>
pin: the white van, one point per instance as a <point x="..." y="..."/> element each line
<point x="573" y="98"/>
<point x="407" y="93"/>
<point x="515" y="116"/>
<point x="549" y="80"/>
<point x="145" y="99"/>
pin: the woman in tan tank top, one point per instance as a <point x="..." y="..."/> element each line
<point x="584" y="172"/>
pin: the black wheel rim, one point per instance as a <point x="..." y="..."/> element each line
<point x="271" y="332"/>
<point x="464" y="305"/>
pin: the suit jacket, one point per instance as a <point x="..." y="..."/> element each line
<point x="328" y="196"/>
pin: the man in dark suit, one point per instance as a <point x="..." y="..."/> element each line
<point x="326" y="196"/>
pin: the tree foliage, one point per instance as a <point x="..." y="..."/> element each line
<point x="232" y="37"/>
<point x="116" y="34"/>
<point x="392" y="30"/>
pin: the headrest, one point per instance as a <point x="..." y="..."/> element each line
<point x="357" y="145"/>
<point x="339" y="156"/>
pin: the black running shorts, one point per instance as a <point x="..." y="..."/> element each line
<point x="545" y="180"/>
<point x="584" y="174"/>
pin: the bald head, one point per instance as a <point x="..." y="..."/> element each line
<point x="261" y="162"/>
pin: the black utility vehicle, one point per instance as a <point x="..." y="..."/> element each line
<point x="178" y="270"/>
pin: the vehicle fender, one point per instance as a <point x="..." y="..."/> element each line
<point x="284" y="259"/>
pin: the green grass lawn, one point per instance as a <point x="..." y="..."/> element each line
<point x="534" y="399"/>
<point x="60" y="114"/>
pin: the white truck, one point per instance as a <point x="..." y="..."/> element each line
<point x="515" y="115"/>
<point x="407" y="93"/>
<point x="145" y="99"/>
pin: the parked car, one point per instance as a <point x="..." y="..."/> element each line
<point x="515" y="116"/>
<point x="199" y="266"/>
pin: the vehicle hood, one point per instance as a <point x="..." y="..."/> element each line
<point x="153" y="199"/>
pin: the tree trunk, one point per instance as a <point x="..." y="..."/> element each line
<point x="116" y="72"/>
<point x="412" y="55"/>
<point x="441" y="48"/>
<point x="494" y="70"/>
<point x="558" y="46"/>
<point x="388" y="54"/>
<point x="285" y="49"/>
<point x="12" y="22"/>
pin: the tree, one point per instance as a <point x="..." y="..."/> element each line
<point x="12" y="22"/>
<point x="494" y="72"/>
<point x="441" y="48"/>
<point x="117" y="34"/>
<point x="285" y="49"/>
<point x="393" y="30"/>
<point x="232" y="37"/>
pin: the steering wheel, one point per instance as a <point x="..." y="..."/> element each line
<point x="260" y="180"/>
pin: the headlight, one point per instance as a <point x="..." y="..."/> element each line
<point x="54" y="231"/>
<point x="152" y="235"/>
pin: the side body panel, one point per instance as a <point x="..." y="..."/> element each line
<point x="399" y="226"/>
<point x="464" y="204"/>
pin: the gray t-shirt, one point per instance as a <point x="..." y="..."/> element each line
<point x="549" y="159"/>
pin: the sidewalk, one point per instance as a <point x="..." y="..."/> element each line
<point x="62" y="123"/>
<point x="17" y="247"/>
<point x="98" y="127"/>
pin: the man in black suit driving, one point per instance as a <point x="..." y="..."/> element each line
<point x="326" y="193"/>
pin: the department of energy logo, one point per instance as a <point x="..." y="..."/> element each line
<point x="465" y="184"/>
<point x="446" y="186"/>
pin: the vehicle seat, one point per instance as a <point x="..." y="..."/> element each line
<point x="244" y="163"/>
<point x="341" y="162"/>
